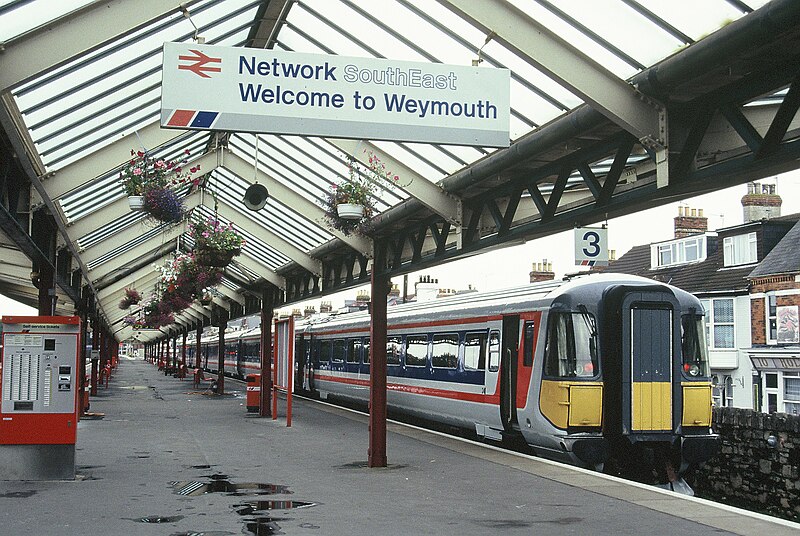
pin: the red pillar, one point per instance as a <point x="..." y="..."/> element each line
<point x="95" y="347"/>
<point x="222" y="323"/>
<point x="376" y="455"/>
<point x="198" y="361"/>
<point x="267" y="304"/>
<point x="183" y="348"/>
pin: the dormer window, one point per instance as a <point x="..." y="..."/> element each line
<point x="740" y="249"/>
<point x="681" y="251"/>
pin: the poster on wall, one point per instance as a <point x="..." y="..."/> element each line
<point x="788" y="327"/>
<point x="208" y="87"/>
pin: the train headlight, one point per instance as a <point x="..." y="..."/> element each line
<point x="691" y="370"/>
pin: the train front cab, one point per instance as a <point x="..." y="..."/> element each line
<point x="656" y="385"/>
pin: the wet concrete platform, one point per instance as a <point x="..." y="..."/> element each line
<point x="170" y="460"/>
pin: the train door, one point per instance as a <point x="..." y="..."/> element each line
<point x="508" y="372"/>
<point x="649" y="359"/>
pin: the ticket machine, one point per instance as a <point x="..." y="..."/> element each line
<point x="38" y="397"/>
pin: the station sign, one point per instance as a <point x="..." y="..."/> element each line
<point x="591" y="246"/>
<point x="238" y="89"/>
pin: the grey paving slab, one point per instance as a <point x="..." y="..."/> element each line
<point x="157" y="430"/>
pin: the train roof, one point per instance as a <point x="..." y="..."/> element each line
<point x="538" y="295"/>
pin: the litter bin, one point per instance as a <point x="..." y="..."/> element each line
<point x="253" y="392"/>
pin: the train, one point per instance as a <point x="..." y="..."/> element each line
<point x="604" y="371"/>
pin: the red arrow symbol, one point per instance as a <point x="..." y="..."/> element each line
<point x="199" y="66"/>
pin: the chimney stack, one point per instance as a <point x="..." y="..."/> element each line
<point x="761" y="202"/>
<point x="690" y="222"/>
<point x="325" y="307"/>
<point x="309" y="310"/>
<point x="542" y="271"/>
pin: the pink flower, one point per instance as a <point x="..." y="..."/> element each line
<point x="137" y="171"/>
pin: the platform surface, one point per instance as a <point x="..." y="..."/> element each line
<point x="161" y="458"/>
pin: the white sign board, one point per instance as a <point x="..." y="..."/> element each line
<point x="255" y="90"/>
<point x="591" y="246"/>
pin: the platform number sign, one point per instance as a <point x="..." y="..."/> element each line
<point x="591" y="246"/>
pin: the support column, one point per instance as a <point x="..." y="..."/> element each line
<point x="185" y="333"/>
<point x="222" y="323"/>
<point x="95" y="346"/>
<point x="376" y="455"/>
<point x="174" y="353"/>
<point x="47" y="290"/>
<point x="265" y="396"/>
<point x="198" y="359"/>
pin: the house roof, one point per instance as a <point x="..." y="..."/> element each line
<point x="697" y="277"/>
<point x="784" y="257"/>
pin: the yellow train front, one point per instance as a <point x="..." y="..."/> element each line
<point x="604" y="371"/>
<point x="623" y="383"/>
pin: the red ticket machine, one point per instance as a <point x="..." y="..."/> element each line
<point x="39" y="397"/>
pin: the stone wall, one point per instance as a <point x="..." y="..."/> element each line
<point x="750" y="473"/>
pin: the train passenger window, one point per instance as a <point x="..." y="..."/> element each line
<point x="324" y="351"/>
<point x="527" y="346"/>
<point x="365" y="350"/>
<point x="475" y="351"/>
<point x="393" y="345"/>
<point x="338" y="351"/>
<point x="494" y="351"/>
<point x="693" y="345"/>
<point x="571" y="347"/>
<point x="444" y="352"/>
<point x="352" y="355"/>
<point x="416" y="350"/>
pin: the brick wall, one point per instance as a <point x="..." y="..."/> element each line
<point x="748" y="472"/>
<point x="758" y="328"/>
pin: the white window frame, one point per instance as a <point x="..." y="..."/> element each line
<point x="676" y="250"/>
<point x="794" y="402"/>
<point x="740" y="249"/>
<point x="711" y="323"/>
<point x="771" y="318"/>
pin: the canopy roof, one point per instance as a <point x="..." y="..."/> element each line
<point x="81" y="85"/>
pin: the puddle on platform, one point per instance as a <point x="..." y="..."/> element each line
<point x="158" y="519"/>
<point x="203" y="533"/>
<point x="262" y="526"/>
<point x="18" y="494"/>
<point x="251" y="507"/>
<point x="193" y="488"/>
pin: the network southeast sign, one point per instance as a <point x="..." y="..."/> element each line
<point x="250" y="90"/>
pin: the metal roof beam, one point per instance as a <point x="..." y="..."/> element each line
<point x="228" y="293"/>
<point x="83" y="226"/>
<point x="273" y="240"/>
<point x="134" y="253"/>
<point x="76" y="33"/>
<point x="142" y="284"/>
<point x="132" y="232"/>
<point x="431" y="195"/>
<point x="261" y="270"/>
<point x="610" y="95"/>
<point x="295" y="201"/>
<point x="62" y="181"/>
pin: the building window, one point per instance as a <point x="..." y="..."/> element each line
<point x="771" y="308"/>
<point x="740" y="249"/>
<point x="791" y="394"/>
<point x="722" y="390"/>
<point x="719" y="322"/>
<point x="679" y="252"/>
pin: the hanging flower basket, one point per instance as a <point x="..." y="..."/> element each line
<point x="350" y="211"/>
<point x="136" y="202"/>
<point x="131" y="297"/>
<point x="219" y="258"/>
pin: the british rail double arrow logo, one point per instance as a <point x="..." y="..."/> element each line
<point x="199" y="66"/>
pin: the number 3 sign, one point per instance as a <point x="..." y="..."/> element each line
<point x="591" y="246"/>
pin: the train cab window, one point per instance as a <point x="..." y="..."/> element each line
<point x="475" y="351"/>
<point x="693" y="345"/>
<point x="527" y="346"/>
<point x="352" y="351"/>
<point x="365" y="350"/>
<point x="494" y="351"/>
<point x="571" y="347"/>
<point x="416" y="350"/>
<point x="393" y="346"/>
<point x="338" y="351"/>
<point x="444" y="351"/>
